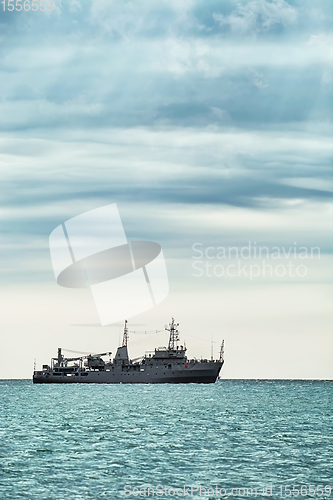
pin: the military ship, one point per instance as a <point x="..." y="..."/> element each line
<point x="166" y="365"/>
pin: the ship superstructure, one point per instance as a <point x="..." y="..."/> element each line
<point x="166" y="365"/>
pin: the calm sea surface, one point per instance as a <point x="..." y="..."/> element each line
<point x="90" y="441"/>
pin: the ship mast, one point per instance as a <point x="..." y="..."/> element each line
<point x="222" y="351"/>
<point x="174" y="334"/>
<point x="125" y="335"/>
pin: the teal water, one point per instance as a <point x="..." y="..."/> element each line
<point x="89" y="441"/>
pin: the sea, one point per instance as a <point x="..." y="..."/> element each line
<point x="232" y="439"/>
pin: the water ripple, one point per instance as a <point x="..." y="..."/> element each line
<point x="87" y="442"/>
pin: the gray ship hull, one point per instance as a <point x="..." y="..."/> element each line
<point x="204" y="373"/>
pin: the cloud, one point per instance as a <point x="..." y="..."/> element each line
<point x="145" y="64"/>
<point x="86" y="88"/>
<point x="258" y="16"/>
<point x="171" y="109"/>
<point x="170" y="166"/>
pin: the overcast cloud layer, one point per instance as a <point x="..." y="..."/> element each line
<point x="165" y="104"/>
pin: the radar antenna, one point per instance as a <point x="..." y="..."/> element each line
<point x="125" y="335"/>
<point x="174" y="334"/>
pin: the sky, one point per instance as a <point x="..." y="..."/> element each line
<point x="208" y="123"/>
